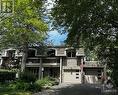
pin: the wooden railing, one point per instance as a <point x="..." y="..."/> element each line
<point x="93" y="64"/>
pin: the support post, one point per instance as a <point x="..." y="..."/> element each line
<point x="105" y="72"/>
<point x="1" y="62"/>
<point x="60" y="69"/>
<point x="82" y="73"/>
<point x="40" y="69"/>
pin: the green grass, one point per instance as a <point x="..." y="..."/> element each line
<point x="15" y="93"/>
<point x="5" y="90"/>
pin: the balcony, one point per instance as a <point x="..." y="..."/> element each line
<point x="93" y="64"/>
<point x="71" y="68"/>
<point x="33" y="62"/>
<point x="46" y="62"/>
<point x="51" y="62"/>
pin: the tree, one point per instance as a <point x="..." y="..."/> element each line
<point x="90" y="21"/>
<point x="92" y="24"/>
<point x="24" y="27"/>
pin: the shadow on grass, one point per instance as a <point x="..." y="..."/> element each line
<point x="5" y="90"/>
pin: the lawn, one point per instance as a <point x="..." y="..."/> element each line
<point x="5" y="90"/>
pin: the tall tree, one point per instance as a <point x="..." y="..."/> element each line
<point x="90" y="23"/>
<point x="24" y="27"/>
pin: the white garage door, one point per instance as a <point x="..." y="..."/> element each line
<point x="91" y="76"/>
<point x="71" y="76"/>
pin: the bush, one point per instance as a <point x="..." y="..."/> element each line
<point x="45" y="82"/>
<point x="6" y="75"/>
<point x="27" y="77"/>
<point x="24" y="86"/>
<point x="34" y="87"/>
<point x="55" y="80"/>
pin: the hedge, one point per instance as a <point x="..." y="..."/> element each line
<point x="6" y="75"/>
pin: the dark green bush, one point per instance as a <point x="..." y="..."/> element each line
<point x="34" y="87"/>
<point x="21" y="86"/>
<point x="115" y="77"/>
<point x="27" y="77"/>
<point x="6" y="75"/>
<point x="24" y="86"/>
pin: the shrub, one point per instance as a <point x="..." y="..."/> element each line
<point x="55" y="80"/>
<point x="34" y="87"/>
<point x="45" y="82"/>
<point x="11" y="75"/>
<point x="21" y="86"/>
<point x="27" y="77"/>
<point x="24" y="86"/>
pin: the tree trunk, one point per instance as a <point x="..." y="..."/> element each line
<point x="24" y="57"/>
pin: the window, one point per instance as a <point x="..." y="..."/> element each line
<point x="77" y="73"/>
<point x="77" y="77"/>
<point x="11" y="53"/>
<point x="51" y="53"/>
<point x="71" y="53"/>
<point x="6" y="6"/>
<point x="77" y="70"/>
<point x="31" y="53"/>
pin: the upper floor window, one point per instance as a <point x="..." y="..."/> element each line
<point x="11" y="53"/>
<point x="31" y="53"/>
<point x="71" y="53"/>
<point x="6" y="6"/>
<point x="51" y="53"/>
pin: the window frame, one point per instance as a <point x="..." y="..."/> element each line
<point x="72" y="53"/>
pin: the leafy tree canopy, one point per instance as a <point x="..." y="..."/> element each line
<point x="90" y="22"/>
<point x="24" y="26"/>
<point x="93" y="24"/>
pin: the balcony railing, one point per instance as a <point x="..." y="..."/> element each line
<point x="93" y="64"/>
<point x="50" y="61"/>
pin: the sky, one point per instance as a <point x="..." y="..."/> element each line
<point x="54" y="36"/>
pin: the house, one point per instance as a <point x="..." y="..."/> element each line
<point x="64" y="63"/>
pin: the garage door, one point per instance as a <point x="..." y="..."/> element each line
<point x="91" y="76"/>
<point x="71" y="76"/>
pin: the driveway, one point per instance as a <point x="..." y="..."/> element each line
<point x="75" y="89"/>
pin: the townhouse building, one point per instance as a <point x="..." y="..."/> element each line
<point x="67" y="64"/>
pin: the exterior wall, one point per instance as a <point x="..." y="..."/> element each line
<point x="71" y="76"/>
<point x="60" y="52"/>
<point x="71" y="70"/>
<point x="71" y="62"/>
<point x="66" y="69"/>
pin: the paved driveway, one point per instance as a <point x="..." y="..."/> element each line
<point x="75" y="89"/>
